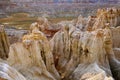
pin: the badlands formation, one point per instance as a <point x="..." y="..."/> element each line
<point x="81" y="49"/>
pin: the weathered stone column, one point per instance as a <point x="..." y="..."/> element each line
<point x="4" y="43"/>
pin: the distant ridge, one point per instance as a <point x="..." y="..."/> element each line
<point x="53" y="7"/>
<point x="68" y="1"/>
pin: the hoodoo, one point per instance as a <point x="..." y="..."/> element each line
<point x="86" y="48"/>
<point x="36" y="59"/>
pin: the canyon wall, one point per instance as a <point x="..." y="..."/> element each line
<point x="81" y="49"/>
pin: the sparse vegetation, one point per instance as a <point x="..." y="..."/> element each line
<point x="23" y="20"/>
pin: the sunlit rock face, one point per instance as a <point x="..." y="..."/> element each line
<point x="74" y="50"/>
<point x="90" y="22"/>
<point x="62" y="50"/>
<point x="94" y="61"/>
<point x="33" y="57"/>
<point x="6" y="71"/>
<point x="91" y="72"/>
<point x="81" y="50"/>
<point x="81" y="22"/>
<point x="4" y="43"/>
<point x="114" y="63"/>
<point x="109" y="15"/>
<point x="9" y="73"/>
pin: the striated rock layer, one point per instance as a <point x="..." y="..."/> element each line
<point x="81" y="49"/>
<point x="75" y="51"/>
<point x="9" y="73"/>
<point x="4" y="43"/>
<point x="33" y="57"/>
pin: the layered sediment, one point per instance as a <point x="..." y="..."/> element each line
<point x="81" y="49"/>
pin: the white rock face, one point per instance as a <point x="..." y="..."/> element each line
<point x="77" y="48"/>
<point x="9" y="73"/>
<point x="72" y="53"/>
<point x="91" y="72"/>
<point x="33" y="57"/>
<point x="72" y="47"/>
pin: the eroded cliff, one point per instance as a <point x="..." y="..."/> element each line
<point x="81" y="49"/>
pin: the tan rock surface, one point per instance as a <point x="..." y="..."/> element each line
<point x="33" y="57"/>
<point x="9" y="73"/>
<point x="80" y="50"/>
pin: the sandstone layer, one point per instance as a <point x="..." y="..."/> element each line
<point x="81" y="49"/>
